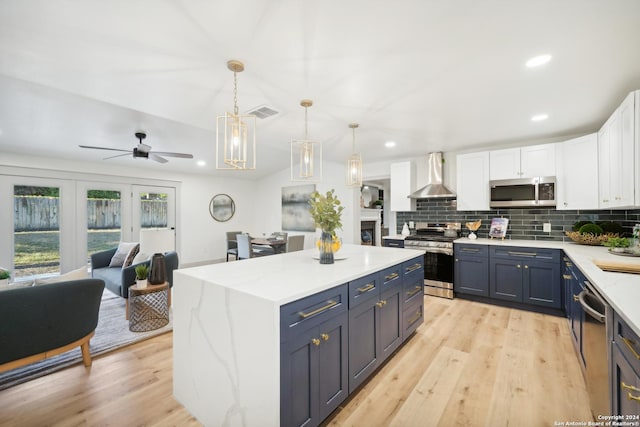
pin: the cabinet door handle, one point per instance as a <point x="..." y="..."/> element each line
<point x="632" y="397"/>
<point x="518" y="266"/>
<point x="522" y="253"/>
<point x="366" y="288"/>
<point x="413" y="267"/>
<point x="315" y="341"/>
<point x="526" y="266"/>
<point x="381" y="304"/>
<point x="415" y="317"/>
<point x="567" y="276"/>
<point x="576" y="298"/>
<point x="318" y="310"/>
<point x="324" y="337"/>
<point x="391" y="276"/>
<point x="628" y="387"/>
<point x="414" y="291"/>
<point x="629" y="343"/>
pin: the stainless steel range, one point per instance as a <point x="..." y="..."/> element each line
<point x="436" y="240"/>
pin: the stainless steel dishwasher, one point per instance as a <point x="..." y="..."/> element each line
<point x="594" y="345"/>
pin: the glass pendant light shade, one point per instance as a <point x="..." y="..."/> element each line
<point x="236" y="133"/>
<point x="354" y="163"/>
<point x="306" y="155"/>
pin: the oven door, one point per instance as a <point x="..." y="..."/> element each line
<point x="438" y="273"/>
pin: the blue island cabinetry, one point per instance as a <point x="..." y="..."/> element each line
<point x="331" y="342"/>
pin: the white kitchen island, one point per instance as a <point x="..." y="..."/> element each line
<point x="226" y="327"/>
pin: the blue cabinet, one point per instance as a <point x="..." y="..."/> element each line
<point x="332" y="341"/>
<point x="471" y="269"/>
<point x="625" y="369"/>
<point x="567" y="278"/>
<point x="374" y="322"/>
<point x="313" y="362"/>
<point x="413" y="295"/>
<point x="527" y="275"/>
<point x="576" y="320"/>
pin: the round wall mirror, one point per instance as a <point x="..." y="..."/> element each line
<point x="222" y="207"/>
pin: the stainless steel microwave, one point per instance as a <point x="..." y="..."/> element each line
<point x="523" y="192"/>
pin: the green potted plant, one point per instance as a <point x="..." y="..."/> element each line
<point x="5" y="275"/>
<point x="326" y="211"/>
<point x="142" y="272"/>
<point x="617" y="244"/>
<point x="378" y="204"/>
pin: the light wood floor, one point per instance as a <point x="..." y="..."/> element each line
<point x="470" y="364"/>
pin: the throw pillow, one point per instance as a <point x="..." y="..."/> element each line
<point x="80" y="273"/>
<point x="121" y="253"/>
<point x="131" y="255"/>
<point x="140" y="257"/>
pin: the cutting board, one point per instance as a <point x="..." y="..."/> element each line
<point x="618" y="266"/>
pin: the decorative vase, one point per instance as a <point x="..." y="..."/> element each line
<point x="405" y="230"/>
<point x="472" y="236"/>
<point x="326" y="248"/>
<point x="157" y="270"/>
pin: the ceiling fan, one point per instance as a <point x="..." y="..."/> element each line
<point x="142" y="150"/>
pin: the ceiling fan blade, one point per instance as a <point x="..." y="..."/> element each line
<point x="154" y="156"/>
<point x="104" y="148"/>
<point x="181" y="155"/>
<point x="117" y="155"/>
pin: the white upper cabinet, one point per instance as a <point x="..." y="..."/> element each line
<point x="472" y="180"/>
<point x="523" y="162"/>
<point x="402" y="183"/>
<point x="619" y="159"/>
<point x="577" y="173"/>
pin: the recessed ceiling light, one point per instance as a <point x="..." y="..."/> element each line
<point x="539" y="60"/>
<point x="539" y="117"/>
<point x="390" y="144"/>
<point x="201" y="163"/>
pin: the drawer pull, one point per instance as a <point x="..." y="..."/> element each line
<point x="393" y="244"/>
<point x="522" y="253"/>
<point x="629" y="343"/>
<point x="381" y="304"/>
<point x="324" y="337"/>
<point x="628" y="387"/>
<point x="391" y="276"/>
<point x="632" y="397"/>
<point x="366" y="288"/>
<point x="414" y="291"/>
<point x="470" y="250"/>
<point x="415" y="317"/>
<point x="567" y="276"/>
<point x="414" y="267"/>
<point x="318" y="310"/>
<point x="315" y="341"/>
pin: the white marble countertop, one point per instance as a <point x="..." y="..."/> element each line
<point x="621" y="290"/>
<point x="287" y="277"/>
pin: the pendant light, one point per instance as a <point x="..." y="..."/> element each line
<point x="306" y="155"/>
<point x="354" y="163"/>
<point x="236" y="133"/>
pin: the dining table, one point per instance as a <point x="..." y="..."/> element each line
<point x="278" y="245"/>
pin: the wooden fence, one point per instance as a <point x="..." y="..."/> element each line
<point x="34" y="213"/>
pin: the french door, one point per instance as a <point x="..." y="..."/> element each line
<point x="154" y="218"/>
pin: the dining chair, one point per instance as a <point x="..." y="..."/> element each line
<point x="295" y="243"/>
<point x="232" y="244"/>
<point x="245" y="248"/>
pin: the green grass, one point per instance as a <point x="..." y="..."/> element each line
<point x="39" y="252"/>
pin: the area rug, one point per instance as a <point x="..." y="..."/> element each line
<point x="112" y="333"/>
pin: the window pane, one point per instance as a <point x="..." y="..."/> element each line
<point x="104" y="212"/>
<point x="153" y="210"/>
<point x="36" y="236"/>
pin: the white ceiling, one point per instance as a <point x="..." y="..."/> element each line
<point x="431" y="75"/>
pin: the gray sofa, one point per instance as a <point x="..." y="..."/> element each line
<point x="41" y="321"/>
<point x="117" y="279"/>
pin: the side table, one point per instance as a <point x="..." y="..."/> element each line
<point x="148" y="307"/>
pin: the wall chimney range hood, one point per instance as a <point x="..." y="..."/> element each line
<point x="434" y="188"/>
